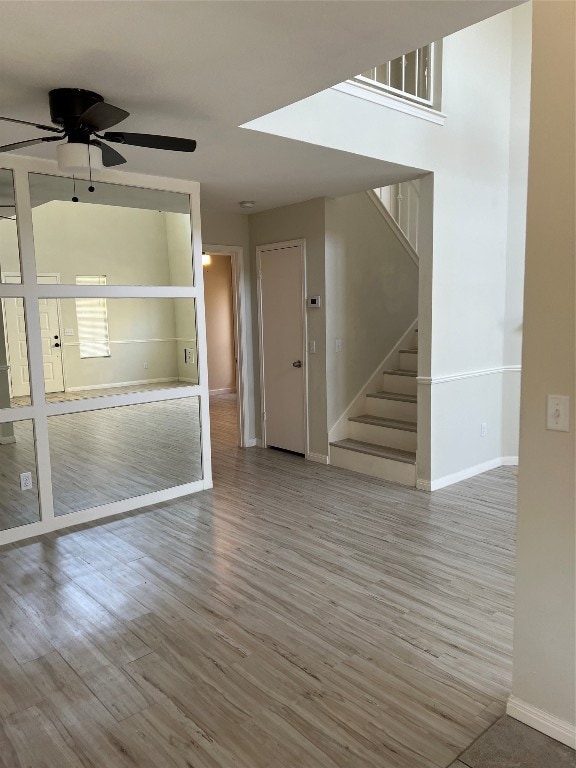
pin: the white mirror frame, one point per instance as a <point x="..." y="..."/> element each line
<point x="40" y="410"/>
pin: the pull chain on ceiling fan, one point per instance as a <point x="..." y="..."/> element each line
<point x="80" y="117"/>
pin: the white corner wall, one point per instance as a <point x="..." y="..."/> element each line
<point x="544" y="680"/>
<point x="477" y="225"/>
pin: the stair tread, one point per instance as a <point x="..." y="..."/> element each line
<point x="400" y="396"/>
<point x="400" y="372"/>
<point x="383" y="451"/>
<point x="381" y="421"/>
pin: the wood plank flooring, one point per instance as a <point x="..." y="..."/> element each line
<point x="295" y="615"/>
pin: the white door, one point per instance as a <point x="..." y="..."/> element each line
<point x="282" y="345"/>
<point x="16" y="341"/>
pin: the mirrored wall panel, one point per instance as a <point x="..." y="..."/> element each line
<point x="9" y="250"/>
<point x="18" y="483"/>
<point x="14" y="371"/>
<point x="117" y="453"/>
<point x="133" y="236"/>
<point x="101" y="346"/>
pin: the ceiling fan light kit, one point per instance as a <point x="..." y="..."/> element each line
<point x="78" y="117"/>
<point x="77" y="158"/>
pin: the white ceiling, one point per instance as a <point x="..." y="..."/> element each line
<point x="202" y="68"/>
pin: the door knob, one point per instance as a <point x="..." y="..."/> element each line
<point x="57" y="344"/>
<point x="297" y="364"/>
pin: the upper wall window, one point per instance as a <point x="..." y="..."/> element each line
<point x="134" y="236"/>
<point x="415" y="76"/>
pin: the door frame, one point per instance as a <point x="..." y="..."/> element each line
<point x="301" y="242"/>
<point x="241" y="325"/>
<point x="55" y="275"/>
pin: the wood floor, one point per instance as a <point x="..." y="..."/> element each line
<point x="296" y="616"/>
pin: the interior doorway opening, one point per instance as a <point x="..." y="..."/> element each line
<point x="224" y="295"/>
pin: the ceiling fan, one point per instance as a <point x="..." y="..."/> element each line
<point x="80" y="117"/>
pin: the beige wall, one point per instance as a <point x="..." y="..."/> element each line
<point x="220" y="323"/>
<point x="545" y="620"/>
<point x="128" y="246"/>
<point x="371" y="296"/>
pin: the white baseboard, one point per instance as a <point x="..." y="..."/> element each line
<point x="544" y="722"/>
<point x="320" y="458"/>
<point x="465" y="474"/>
<point x="224" y="391"/>
<point x="253" y="442"/>
<point x="122" y="384"/>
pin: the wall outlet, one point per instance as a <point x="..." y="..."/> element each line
<point x="338" y="345"/>
<point x="146" y="365"/>
<point x="483" y="429"/>
<point x="26" y="481"/>
<point x="558" y="413"/>
<point x="312" y="347"/>
<point x="188" y="355"/>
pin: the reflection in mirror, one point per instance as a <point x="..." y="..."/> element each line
<point x="14" y="374"/>
<point x="9" y="251"/>
<point x="116" y="453"/>
<point x="18" y="483"/>
<point x="100" y="346"/>
<point x="133" y="236"/>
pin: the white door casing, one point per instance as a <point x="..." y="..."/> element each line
<point x="281" y="295"/>
<point x="17" y="344"/>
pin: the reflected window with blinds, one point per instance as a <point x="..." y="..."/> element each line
<point x="92" y="320"/>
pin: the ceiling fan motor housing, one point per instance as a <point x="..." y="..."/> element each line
<point x="68" y="104"/>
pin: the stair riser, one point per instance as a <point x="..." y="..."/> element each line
<point x="391" y="409"/>
<point x="375" y="466"/>
<point x="395" y="438"/>
<point x="403" y="384"/>
<point x="408" y="361"/>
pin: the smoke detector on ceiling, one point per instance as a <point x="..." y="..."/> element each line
<point x="247" y="203"/>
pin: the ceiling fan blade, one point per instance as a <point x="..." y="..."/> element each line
<point x="109" y="155"/>
<point x="101" y="115"/>
<point x="152" y="141"/>
<point x="29" y="143"/>
<point x="36" y="125"/>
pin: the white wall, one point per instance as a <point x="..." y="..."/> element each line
<point x="474" y="231"/>
<point x="545" y="620"/>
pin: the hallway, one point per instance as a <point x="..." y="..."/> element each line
<point x="296" y="614"/>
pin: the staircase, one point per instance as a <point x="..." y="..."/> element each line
<point x="382" y="441"/>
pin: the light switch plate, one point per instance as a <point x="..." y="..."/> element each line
<point x="558" y="413"/>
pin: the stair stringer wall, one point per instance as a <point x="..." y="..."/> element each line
<point x="357" y="406"/>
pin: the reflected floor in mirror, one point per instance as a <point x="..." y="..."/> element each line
<point x="103" y="456"/>
<point x="295" y="615"/>
<point x="63" y="397"/>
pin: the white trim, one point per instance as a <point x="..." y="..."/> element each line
<point x="430" y="380"/>
<point x="320" y="458"/>
<point x="31" y="290"/>
<point x="542" y="721"/>
<point x="387" y="216"/>
<point x="465" y="474"/>
<point x="134" y="341"/>
<point x="376" y="95"/>
<point x="103" y="511"/>
<point x="241" y="326"/>
<point x="122" y="384"/>
<point x="301" y="243"/>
